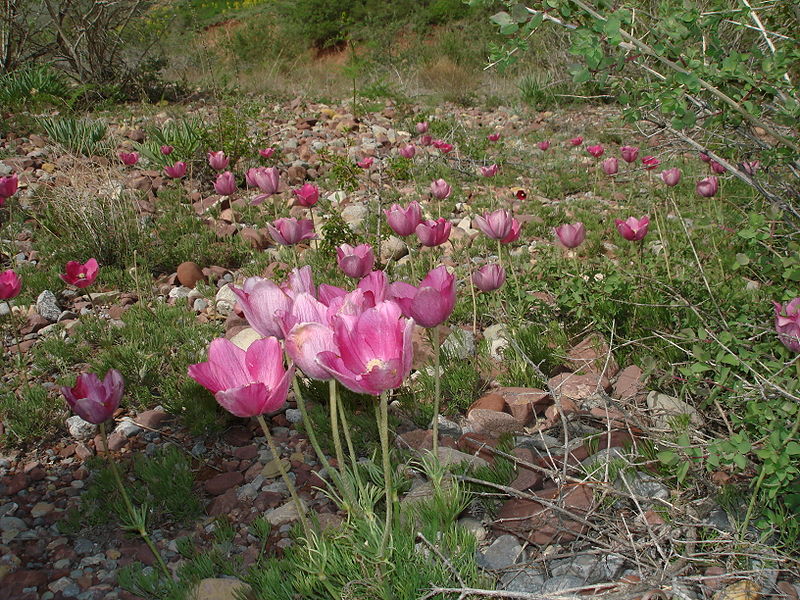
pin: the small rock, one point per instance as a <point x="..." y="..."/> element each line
<point x="151" y="419"/>
<point x="47" y="306"/>
<point x="245" y="337"/>
<point x="665" y="408"/>
<point x="504" y="552"/>
<point x="283" y="514"/>
<point x="41" y="509"/>
<point x="492" y="422"/>
<point x="451" y="456"/>
<point x="293" y="415"/>
<point x="189" y="274"/>
<point x="80" y="429"/>
<point x="127" y="427"/>
<point x="225" y="300"/>
<point x="272" y="468"/>
<point x="496" y="338"/>
<point x="642" y="484"/>
<point x="460" y="344"/>
<point x="223" y="482"/>
<point x="474" y="526"/>
<point x="355" y="215"/>
<point x="447" y="427"/>
<point x="179" y="292"/>
<point x="526" y="581"/>
<point x="560" y="583"/>
<point x="12" y="524"/>
<point x="219" y="588"/>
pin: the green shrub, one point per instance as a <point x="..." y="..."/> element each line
<point x="82" y="136"/>
<point x="33" y="86"/>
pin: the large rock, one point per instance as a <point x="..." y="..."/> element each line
<point x="577" y="387"/>
<point x="47" y="306"/>
<point x="355" y="215"/>
<point x="592" y="355"/>
<point x="492" y="422"/>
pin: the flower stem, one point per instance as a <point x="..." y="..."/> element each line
<point x="337" y="442"/>
<point x="309" y="427"/>
<point x="383" y="429"/>
<point x="474" y="304"/>
<point x="437" y="390"/>
<point x="350" y="448"/>
<point x="20" y="361"/>
<point x="289" y="485"/>
<point x="129" y="505"/>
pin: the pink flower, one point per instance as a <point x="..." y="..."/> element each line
<point x="629" y="153"/>
<point x="8" y="186"/>
<point x="520" y="194"/>
<point x="166" y="150"/>
<point x="407" y="151"/>
<point x="129" y="158"/>
<point x="633" y="229"/>
<point x="245" y="383"/>
<point x="404" y="221"/>
<point x="443" y="146"/>
<point x="10" y="285"/>
<point x="366" y="162"/>
<point x="432" y="302"/>
<point x="355" y="262"/>
<point x="422" y="127"/>
<point x="305" y="342"/>
<point x="493" y="137"/>
<point x="81" y="275"/>
<point x="217" y="160"/>
<point x="265" y="179"/>
<point x="433" y="233"/>
<point x="374" y="287"/>
<point x="299" y="281"/>
<point x="307" y="195"/>
<point x="650" y="162"/>
<point x="329" y="293"/>
<point x="717" y="168"/>
<point x="513" y="235"/>
<point x="671" y="177"/>
<point x="489" y="171"/>
<point x="440" y="189"/>
<point x="576" y="141"/>
<point x="225" y="185"/>
<point x="262" y="301"/>
<point x="705" y="157"/>
<point x="92" y="400"/>
<point x="304" y="309"/>
<point x="572" y="235"/>
<point x="373" y="349"/>
<point x="266" y="152"/>
<point x="596" y="151"/>
<point x="610" y="166"/>
<point x="290" y="231"/>
<point x="177" y="170"/>
<point x="707" y="187"/>
<point x="748" y="167"/>
<point x="787" y="324"/>
<point x="425" y="140"/>
<point x="543" y="145"/>
<point x="489" y="277"/>
<point x="496" y="224"/>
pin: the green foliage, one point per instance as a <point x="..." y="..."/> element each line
<point x="185" y="135"/>
<point x="82" y="136"/>
<point x="152" y="350"/>
<point x="32" y="87"/>
<point x="26" y="417"/>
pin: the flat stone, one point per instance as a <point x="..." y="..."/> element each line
<point x="526" y="581"/>
<point x="151" y="419"/>
<point x="272" y="468"/>
<point x="665" y="408"/>
<point x="218" y="588"/>
<point x="127" y="427"/>
<point x="493" y="402"/>
<point x="561" y="582"/>
<point x="451" y="456"/>
<point x="504" y="552"/>
<point x="642" y="484"/>
<point x="221" y="483"/>
<point x="41" y="509"/>
<point x="592" y="355"/>
<point x="283" y="514"/>
<point x="577" y="387"/>
<point x="12" y="524"/>
<point x="460" y="344"/>
<point x="629" y="383"/>
<point x="492" y="422"/>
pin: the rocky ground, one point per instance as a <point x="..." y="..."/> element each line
<point x="585" y="510"/>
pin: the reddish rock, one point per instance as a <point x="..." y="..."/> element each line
<point x="533" y="521"/>
<point x="14" y="583"/>
<point x="475" y="444"/>
<point x="578" y="387"/>
<point x="526" y="478"/>
<point x="492" y="422"/>
<point x="592" y="355"/>
<point x="34" y="323"/>
<point x="613" y="415"/>
<point x="714" y="579"/>
<point x="223" y="482"/>
<point x="786" y="590"/>
<point x="629" y="383"/>
<point x="82" y="451"/>
<point x="223" y="505"/>
<point x="521" y="401"/>
<point x="116" y="441"/>
<point x="423" y="353"/>
<point x="254" y="237"/>
<point x="116" y="311"/>
<point x="246" y="452"/>
<point x="189" y="274"/>
<point x="238" y="436"/>
<point x="422" y="439"/>
<point x="14" y="484"/>
<point x="488" y="402"/>
<point x="295" y="175"/>
<point x="151" y="419"/>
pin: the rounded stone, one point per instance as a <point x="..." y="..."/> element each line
<point x="189" y="274"/>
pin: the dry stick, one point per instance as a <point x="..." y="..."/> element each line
<point x="289" y="485"/>
<point x="441" y="557"/>
<point x="632" y="591"/>
<point x="129" y="505"/>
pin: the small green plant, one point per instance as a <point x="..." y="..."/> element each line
<point x="26" y="416"/>
<point x="82" y="136"/>
<point x="35" y="86"/>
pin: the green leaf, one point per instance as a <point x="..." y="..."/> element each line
<point x="502" y="18"/>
